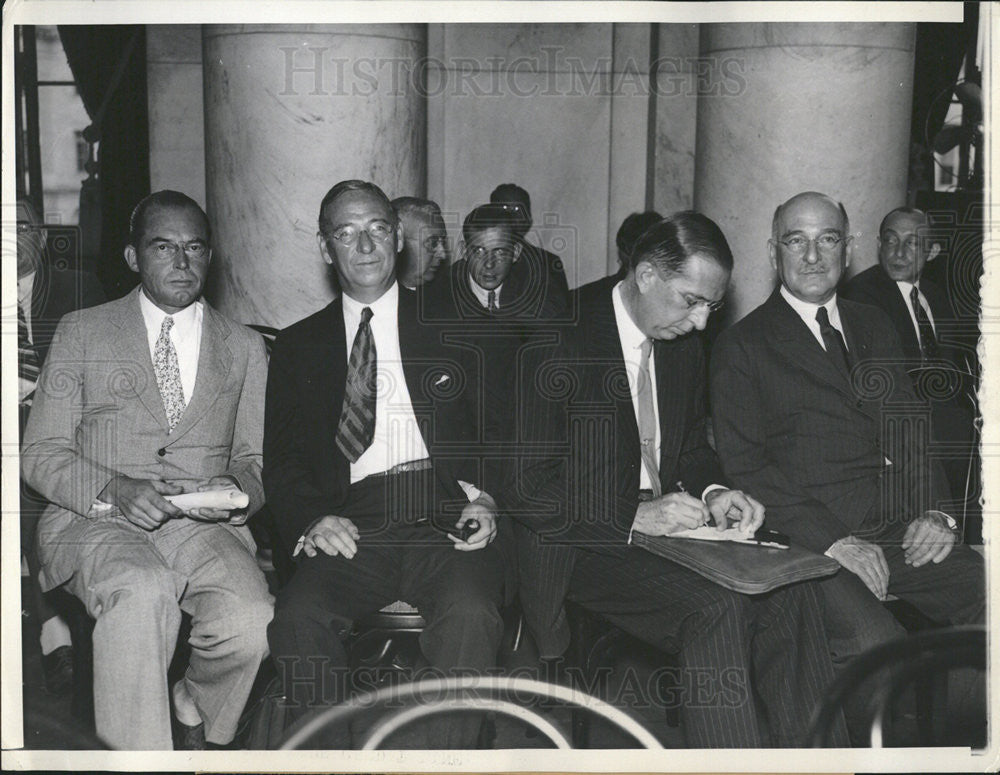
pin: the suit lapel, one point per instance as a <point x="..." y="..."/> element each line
<point x="131" y="347"/>
<point x="796" y="343"/>
<point x="602" y="342"/>
<point x="899" y="313"/>
<point x="331" y="365"/>
<point x="413" y="350"/>
<point x="670" y="386"/>
<point x="215" y="360"/>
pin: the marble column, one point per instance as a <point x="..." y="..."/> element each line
<point x="289" y="111"/>
<point x="176" y="109"/>
<point x="785" y="108"/>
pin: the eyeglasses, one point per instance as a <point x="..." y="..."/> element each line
<point x="798" y="244"/>
<point x="893" y="242"/>
<point x="379" y="231"/>
<point x="436" y="242"/>
<point x="691" y="302"/>
<point x="168" y="250"/>
<point x="499" y="254"/>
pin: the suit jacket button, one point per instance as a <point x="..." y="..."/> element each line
<point x="859" y="403"/>
<point x="161" y="451"/>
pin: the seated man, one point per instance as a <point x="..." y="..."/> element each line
<point x="614" y="430"/>
<point x="149" y="396"/>
<point x="369" y="427"/>
<point x="924" y="320"/>
<point x="813" y="410"/>
<point x="425" y="242"/>
<point x="633" y="227"/>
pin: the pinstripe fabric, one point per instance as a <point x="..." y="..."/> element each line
<point x="812" y="447"/>
<point x="575" y="494"/>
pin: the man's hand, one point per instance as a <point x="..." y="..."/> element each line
<point x="927" y="539"/>
<point x="484" y="510"/>
<point x="141" y="501"/>
<point x="727" y="506"/>
<point x="330" y="535"/>
<point x="223" y="482"/>
<point x="865" y="560"/>
<point x="669" y="513"/>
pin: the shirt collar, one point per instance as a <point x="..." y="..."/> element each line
<point x="629" y="333"/>
<point x="807" y="310"/>
<point x="153" y="316"/>
<point x="484" y="295"/>
<point x="384" y="306"/>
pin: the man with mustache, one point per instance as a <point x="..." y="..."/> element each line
<point x="922" y="315"/>
<point x="809" y="402"/>
<point x="142" y="398"/>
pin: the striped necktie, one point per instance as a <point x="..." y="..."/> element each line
<point x="27" y="357"/>
<point x="357" y="418"/>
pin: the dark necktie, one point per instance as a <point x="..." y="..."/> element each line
<point x="491" y="301"/>
<point x="834" y="342"/>
<point x="647" y="418"/>
<point x="357" y="420"/>
<point x="27" y="358"/>
<point x="928" y="342"/>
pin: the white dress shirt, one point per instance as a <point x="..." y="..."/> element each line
<point x="185" y="335"/>
<point x="807" y="311"/>
<point x="905" y="288"/>
<point x="397" y="435"/>
<point x="631" y="338"/>
<point x="483" y="295"/>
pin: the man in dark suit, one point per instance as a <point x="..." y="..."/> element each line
<point x="924" y="320"/>
<point x="368" y="436"/>
<point x="426" y="254"/>
<point x="44" y="294"/>
<point x="543" y="267"/>
<point x="813" y="411"/>
<point x="614" y="430"/>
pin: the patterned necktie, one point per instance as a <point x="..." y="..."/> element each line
<point x="491" y="301"/>
<point x="928" y="342"/>
<point x="834" y="342"/>
<point x="27" y="358"/>
<point x="168" y="374"/>
<point x="357" y="419"/>
<point x="647" y="419"/>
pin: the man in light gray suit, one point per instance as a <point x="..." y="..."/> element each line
<point x="150" y="396"/>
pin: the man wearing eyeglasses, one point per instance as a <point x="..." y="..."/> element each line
<point x="924" y="319"/>
<point x="141" y="399"/>
<point x="369" y="436"/>
<point x="425" y="255"/>
<point x="614" y="432"/>
<point x="813" y="412"/>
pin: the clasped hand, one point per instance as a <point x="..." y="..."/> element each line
<point x="682" y="511"/>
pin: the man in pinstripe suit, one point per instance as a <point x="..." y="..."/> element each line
<point x="614" y="430"/>
<point x="825" y="432"/>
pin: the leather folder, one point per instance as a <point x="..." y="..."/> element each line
<point x="744" y="568"/>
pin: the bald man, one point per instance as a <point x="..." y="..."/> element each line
<point x="810" y="407"/>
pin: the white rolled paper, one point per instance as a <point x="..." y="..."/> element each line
<point x="228" y="499"/>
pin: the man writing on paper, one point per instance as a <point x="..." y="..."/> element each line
<point x="149" y="396"/>
<point x="614" y="430"/>
<point x="813" y="410"/>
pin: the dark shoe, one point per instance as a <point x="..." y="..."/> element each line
<point x="188" y="738"/>
<point x="58" y="670"/>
